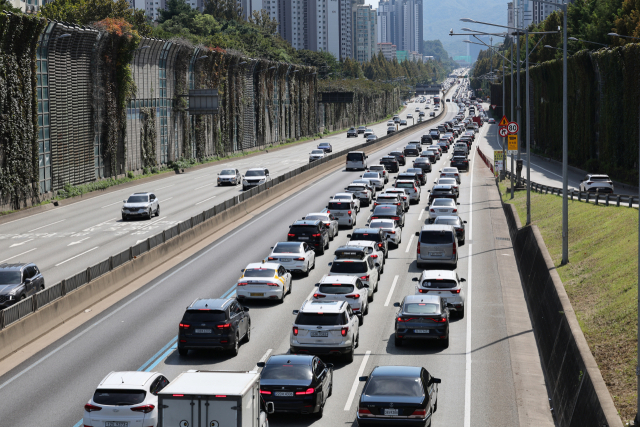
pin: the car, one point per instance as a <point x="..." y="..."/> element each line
<point x="312" y="232"/>
<point x="450" y="173"/>
<point x="437" y="244"/>
<point x="254" y="177"/>
<point x="432" y="155"/>
<point x="125" y="398"/>
<point x="296" y="383"/>
<point x="460" y="162"/>
<point x="403" y="122"/>
<point x="360" y="191"/>
<point x="371" y="137"/>
<point x="391" y="123"/>
<point x="599" y="183"/>
<point x="390" y="229"/>
<point x="19" y="281"/>
<point x="402" y="160"/>
<point x="410" y="187"/>
<point x="372" y="235"/>
<point x="449" y="181"/>
<point x="426" y="107"/>
<point x="492" y="121"/>
<point x="442" y="128"/>
<point x="422" y="317"/>
<point x="329" y="221"/>
<point x="368" y="132"/>
<point x="442" y="192"/>
<point x="381" y="170"/>
<point x="403" y="194"/>
<point x="348" y="196"/>
<point x="417" y="109"/>
<point x="457" y="223"/>
<point x="326" y="147"/>
<point x="426" y="139"/>
<point x="411" y="150"/>
<point x="343" y="210"/>
<point x="413" y="176"/>
<point x="395" y="213"/>
<point x="397" y="396"/>
<point x="447" y="100"/>
<point x="391" y="129"/>
<point x="210" y="323"/>
<point x="352" y="132"/>
<point x="356" y="160"/>
<point x="361" y="129"/>
<point x="229" y="176"/>
<point x="410" y="116"/>
<point x="432" y="114"/>
<point x="436" y="149"/>
<point x="375" y="179"/>
<point x="316" y="155"/>
<point x="142" y="204"/>
<point x="396" y="119"/>
<point x="357" y="260"/>
<point x="297" y="257"/>
<point x="345" y="288"/>
<point x="422" y="176"/>
<point x="423" y="163"/>
<point x="325" y="327"/>
<point x="390" y="163"/>
<point x="266" y="280"/>
<point x="443" y="206"/>
<point x="421" y="114"/>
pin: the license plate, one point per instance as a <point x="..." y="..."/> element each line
<point x="203" y="331"/>
<point x="116" y="424"/>
<point x="436" y="253"/>
<point x="283" y="393"/>
<point x="319" y="333"/>
<point x="256" y="294"/>
<point x="285" y="259"/>
<point x="421" y="331"/>
<point x="443" y="210"/>
<point x="303" y="238"/>
<point x="338" y="214"/>
<point x="392" y="412"/>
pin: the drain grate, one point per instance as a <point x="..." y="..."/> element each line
<point x="503" y="238"/>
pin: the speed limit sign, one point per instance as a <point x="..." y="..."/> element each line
<point x="512" y="128"/>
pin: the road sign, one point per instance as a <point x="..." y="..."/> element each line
<point x="494" y="106"/>
<point x="503" y="131"/>
<point x="512" y="141"/>
<point x="497" y="161"/>
<point x="504" y="121"/>
<point x="513" y="128"/>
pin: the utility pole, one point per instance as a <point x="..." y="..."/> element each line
<point x="504" y="104"/>
<point x="518" y="102"/>
<point x="511" y="115"/>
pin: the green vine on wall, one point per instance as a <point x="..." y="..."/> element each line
<point x="148" y="137"/>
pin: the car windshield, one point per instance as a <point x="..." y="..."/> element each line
<point x="259" y="272"/>
<point x="228" y="172"/>
<point x="204" y="316"/>
<point x="420" y="308"/>
<point x="286" y="372"/>
<point x="404" y="185"/>
<point x="319" y="319"/>
<point x="337" y="206"/>
<point x="317" y="152"/>
<point x="10" y="277"/>
<point x="323" y="144"/>
<point x="374" y="237"/>
<point x="421" y="160"/>
<point x="376" y="168"/>
<point x="371" y="175"/>
<point x="348" y="267"/>
<point x="118" y="397"/>
<point x="394" y="386"/>
<point x="356" y="188"/>
<point x="436" y="237"/>
<point x="288" y="248"/>
<point x="303" y="229"/>
<point x="599" y="178"/>
<point x="335" y="288"/>
<point x="440" y="283"/>
<point x="138" y="199"/>
<point x="443" y="202"/>
<point x="255" y="173"/>
<point x="354" y="157"/>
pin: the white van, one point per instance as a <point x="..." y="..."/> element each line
<point x="356" y="160"/>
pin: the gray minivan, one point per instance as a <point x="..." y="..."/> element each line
<point x="356" y="160"/>
<point x="437" y="244"/>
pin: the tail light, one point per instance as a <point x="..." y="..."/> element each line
<point x="224" y="326"/>
<point x="272" y="258"/>
<point x="307" y="391"/>
<point x="298" y="259"/>
<point x="455" y="210"/>
<point x="295" y="330"/>
<point x="184" y="326"/>
<point x="454" y="248"/>
<point x="291" y="235"/>
<point x="144" y="408"/>
<point x="432" y="210"/>
<point x="414" y="189"/>
<point x="273" y="284"/>
<point x="457" y="291"/>
<point x="418" y="251"/>
<point x="589" y="183"/>
<point x="328" y="211"/>
<point x="364" y="412"/>
<point x="265" y="392"/>
<point x="354" y="296"/>
<point x="364" y="277"/>
<point x="349" y="213"/>
<point x="405" y="319"/>
<point x="439" y="319"/>
<point x="242" y="284"/>
<point x="374" y="217"/>
<point x="92" y="408"/>
<point x="316" y="235"/>
<point x="344" y="331"/>
<point x="319" y="296"/>
<point x="455" y="174"/>
<point x="374" y="256"/>
<point x="418" y="413"/>
<point x="396" y="218"/>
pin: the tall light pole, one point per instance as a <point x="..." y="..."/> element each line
<point x="528" y="133"/>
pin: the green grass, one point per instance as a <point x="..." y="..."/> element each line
<point x="600" y="279"/>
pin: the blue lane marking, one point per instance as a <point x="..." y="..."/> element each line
<point x="158" y="353"/>
<point x="79" y="423"/>
<point x="161" y="358"/>
<point x="227" y="294"/>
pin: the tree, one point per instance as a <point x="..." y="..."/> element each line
<point x="628" y="21"/>
<point x="6" y="6"/>
<point x="173" y="8"/>
<point x="264" y="21"/>
<point x="223" y="10"/>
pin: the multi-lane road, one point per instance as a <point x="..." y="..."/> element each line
<point x="139" y="333"/>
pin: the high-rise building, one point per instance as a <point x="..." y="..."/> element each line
<point x="400" y="22"/>
<point x="249" y="6"/>
<point x="346" y="29"/>
<point x="384" y="21"/>
<point x="388" y="50"/>
<point x="511" y="17"/>
<point x="323" y="24"/>
<point x="365" y="24"/>
<point x="542" y="11"/>
<point x="293" y="22"/>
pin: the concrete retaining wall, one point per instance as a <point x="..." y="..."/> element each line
<point x="580" y="397"/>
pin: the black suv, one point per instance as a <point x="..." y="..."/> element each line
<point x="413" y="176"/>
<point x="390" y="163"/>
<point x="402" y="160"/>
<point x="18" y="281"/>
<point x="214" y="324"/>
<point x="460" y="162"/>
<point x="375" y="235"/>
<point x="411" y="150"/>
<point x="395" y="213"/>
<point x="442" y="191"/>
<point x="312" y="232"/>
<point x="420" y="173"/>
<point x="426" y="139"/>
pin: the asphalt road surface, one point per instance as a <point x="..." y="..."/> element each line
<point x="50" y="388"/>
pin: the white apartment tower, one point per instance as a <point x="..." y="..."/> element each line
<point x="324" y="26"/>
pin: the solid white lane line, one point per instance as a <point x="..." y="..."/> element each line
<point x="393" y="286"/>
<point x="111" y="204"/>
<point x="409" y="244"/>
<point x="45" y="226"/>
<point x="205" y="200"/>
<point x="354" y="387"/>
<point x="74" y="257"/>
<point x="467" y="310"/>
<point x="420" y="217"/>
<point x="21" y="243"/>
<point x="16" y="256"/>
<point x="263" y="359"/>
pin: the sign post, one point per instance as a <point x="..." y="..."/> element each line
<point x="512" y="141"/>
<point x="498" y="161"/>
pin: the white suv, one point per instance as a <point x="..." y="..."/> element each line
<point x="410" y="188"/>
<point x="600" y="183"/>
<point x="125" y="398"/>
<point x="344" y="211"/>
<point x="348" y="196"/>
<point x="344" y="288"/>
<point x="444" y="283"/>
<point x="355" y="261"/>
<point x="325" y="327"/>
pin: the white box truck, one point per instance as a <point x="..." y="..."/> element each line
<point x="213" y="399"/>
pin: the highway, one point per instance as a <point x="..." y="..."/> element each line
<point x="478" y="387"/>
<point x="66" y="240"/>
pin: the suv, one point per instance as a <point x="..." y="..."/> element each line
<point x="361" y="129"/>
<point x="18" y="281"/>
<point x="356" y="160"/>
<point x="410" y="176"/>
<point x="371" y="234"/>
<point x="254" y="177"/>
<point x="422" y="317"/>
<point x="402" y="160"/>
<point x="426" y="139"/>
<point x="141" y="205"/>
<point x="352" y="132"/>
<point x="395" y="213"/>
<point x="390" y="163"/>
<point x="325" y="327"/>
<point x="437" y="244"/>
<point x="459" y="162"/>
<point x="599" y="183"/>
<point x="364" y="194"/>
<point x="410" y="187"/>
<point x="345" y="288"/>
<point x="419" y="173"/>
<point x="214" y="323"/>
<point x="444" y="283"/>
<point x="313" y="232"/>
<point x="422" y="163"/>
<point x="412" y="149"/>
<point x="343" y="210"/>
<point x="442" y="191"/>
<point x="356" y="261"/>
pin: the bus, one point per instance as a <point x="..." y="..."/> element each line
<point x="436" y="100"/>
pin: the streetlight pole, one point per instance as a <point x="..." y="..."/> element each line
<point x="511" y="114"/>
<point x="504" y="100"/>
<point x="528" y="133"/>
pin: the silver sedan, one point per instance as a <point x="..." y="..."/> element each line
<point x="293" y="256"/>
<point x="441" y="207"/>
<point x="329" y="221"/>
<point x="375" y="179"/>
<point x="391" y="230"/>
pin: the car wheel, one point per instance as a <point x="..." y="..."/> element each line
<point x="370" y="298"/>
<point x="331" y="237"/>
<point x="150" y="213"/>
<point x="234" y="349"/>
<point x="360" y="320"/>
<point x="158" y="211"/>
<point x="460" y="313"/>
<point x="397" y="341"/>
<point x="321" y="250"/>
<point x="366" y="310"/>
<point x="281" y="299"/>
<point x="445" y="342"/>
<point x="42" y="287"/>
<point x="247" y="336"/>
<point x="182" y="351"/>
<point x="306" y="273"/>
<point x="327" y="245"/>
<point x="435" y="407"/>
<point x="314" y="263"/>
<point x="320" y="412"/>
<point x="349" y="356"/>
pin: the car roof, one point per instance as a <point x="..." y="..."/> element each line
<point x="210" y="303"/>
<point x="256" y="169"/>
<point x="338" y="279"/>
<point x="404" y="180"/>
<point x="442" y="187"/>
<point x="437" y="227"/>
<point x="316" y="213"/>
<point x="126" y="379"/>
<point x="16" y="266"/>
<point x="386" y="194"/>
<point x="343" y="194"/>
<point x="263" y="265"/>
<point x="362" y="152"/>
<point x="291" y="359"/>
<point x="432" y="299"/>
<point x="439" y="274"/>
<point x="307" y="222"/>
<point x="396" y="371"/>
<point x="323" y="306"/>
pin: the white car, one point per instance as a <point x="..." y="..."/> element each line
<point x="141" y="205"/>
<point x="343" y="210"/>
<point x="325" y="327"/>
<point x="368" y="132"/>
<point x="443" y="283"/>
<point x="391" y="230"/>
<point x="266" y="280"/>
<point x="381" y="170"/>
<point x="403" y="194"/>
<point x="375" y="179"/>
<point x="410" y="116"/>
<point x="348" y="196"/>
<point x="316" y="155"/>
<point x="373" y="251"/>
<point x="417" y="109"/>
<point x="355" y="261"/>
<point x="344" y="288"/>
<point x="229" y="176"/>
<point x="254" y="177"/>
<point x="449" y="181"/>
<point x="450" y="173"/>
<point x="600" y="183"/>
<point x="329" y="221"/>
<point x="442" y="207"/>
<point x="411" y="189"/>
<point x="293" y="256"/>
<point x="361" y="192"/>
<point x="127" y="398"/>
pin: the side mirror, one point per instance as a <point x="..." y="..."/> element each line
<point x="432" y="381"/>
<point x="242" y="270"/>
<point x="261" y="364"/>
<point x="245" y="309"/>
<point x="464" y="222"/>
<point x="429" y="191"/>
<point x="330" y="264"/>
<point x="463" y="279"/>
<point x="363" y="378"/>
<point x="365" y="285"/>
<point x="450" y="305"/>
<point x="396" y="304"/>
<point x="329" y="365"/>
<point x="349" y="235"/>
<point x="377" y="264"/>
<point x="218" y="173"/>
<point x="415" y="279"/>
<point x="458" y="204"/>
<point x="295" y="312"/>
<point x="124" y="201"/>
<point x="417" y="234"/>
<point x="271" y="408"/>
<point x="27" y="281"/>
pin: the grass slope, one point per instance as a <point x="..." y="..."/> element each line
<point x="600" y="279"/>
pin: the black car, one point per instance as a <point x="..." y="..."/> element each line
<point x="402" y="160"/>
<point x="422" y="317"/>
<point x="352" y="132"/>
<point x="390" y="163"/>
<point x="442" y="192"/>
<point x="432" y="156"/>
<point x="212" y="323"/>
<point x="459" y="162"/>
<point x="312" y="232"/>
<point x="19" y="281"/>
<point x="420" y="174"/>
<point x="326" y="147"/>
<point x="398" y="396"/>
<point x="395" y="213"/>
<point x="411" y="150"/>
<point x="422" y="163"/>
<point x="410" y="176"/>
<point x="295" y="383"/>
<point x="458" y="225"/>
<point x="371" y="235"/>
<point x="426" y="139"/>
